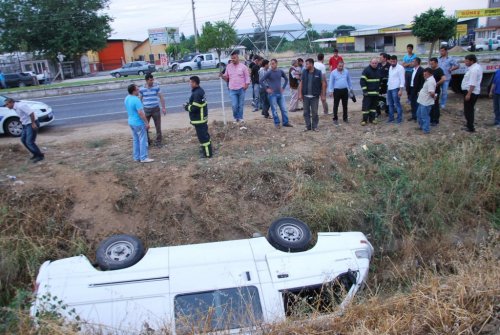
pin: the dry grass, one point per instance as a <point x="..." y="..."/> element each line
<point x="431" y="209"/>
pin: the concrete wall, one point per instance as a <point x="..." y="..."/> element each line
<point x="128" y="50"/>
<point x="145" y="49"/>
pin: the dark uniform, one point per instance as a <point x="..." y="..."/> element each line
<point x="198" y="114"/>
<point x="384" y="78"/>
<point x="435" y="111"/>
<point x="370" y="84"/>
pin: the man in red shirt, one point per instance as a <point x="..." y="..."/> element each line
<point x="335" y="60"/>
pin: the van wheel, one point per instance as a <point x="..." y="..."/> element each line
<point x="119" y="252"/>
<point x="289" y="234"/>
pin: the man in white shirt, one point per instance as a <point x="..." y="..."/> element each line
<point x="395" y="87"/>
<point x="426" y="97"/>
<point x="471" y="87"/>
<point x="30" y="127"/>
<point x="321" y="66"/>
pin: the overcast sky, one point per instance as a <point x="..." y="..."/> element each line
<point x="133" y="18"/>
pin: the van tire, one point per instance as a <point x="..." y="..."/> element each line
<point x="119" y="252"/>
<point x="289" y="235"/>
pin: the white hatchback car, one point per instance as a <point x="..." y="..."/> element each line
<point x="9" y="120"/>
<point x="229" y="287"/>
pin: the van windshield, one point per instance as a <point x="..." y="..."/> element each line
<point x="225" y="309"/>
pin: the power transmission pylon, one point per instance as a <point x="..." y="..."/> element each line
<point x="264" y="11"/>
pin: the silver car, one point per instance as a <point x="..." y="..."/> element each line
<point x="134" y="68"/>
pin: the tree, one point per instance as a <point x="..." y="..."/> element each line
<point x="343" y="30"/>
<point x="219" y="36"/>
<point x="47" y="27"/>
<point x="432" y="26"/>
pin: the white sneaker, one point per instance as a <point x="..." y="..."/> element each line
<point x="147" y="160"/>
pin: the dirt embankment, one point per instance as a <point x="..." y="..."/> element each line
<point x="111" y="193"/>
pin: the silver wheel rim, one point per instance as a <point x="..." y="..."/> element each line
<point x="291" y="232"/>
<point x="15" y="128"/>
<point x="120" y="251"/>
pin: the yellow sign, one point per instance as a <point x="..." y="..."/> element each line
<point x="389" y="30"/>
<point x="468" y="13"/>
<point x="461" y="29"/>
<point x="345" y="39"/>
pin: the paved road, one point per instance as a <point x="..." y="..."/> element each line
<point x="105" y="106"/>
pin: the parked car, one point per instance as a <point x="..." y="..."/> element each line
<point x="18" y="79"/>
<point x="9" y="120"/>
<point x="206" y="60"/>
<point x="39" y="76"/>
<point x="205" y="288"/>
<point x="134" y="68"/>
<point x="484" y="46"/>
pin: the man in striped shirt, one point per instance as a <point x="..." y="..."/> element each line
<point x="151" y="98"/>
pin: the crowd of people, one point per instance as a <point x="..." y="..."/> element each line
<point x="382" y="82"/>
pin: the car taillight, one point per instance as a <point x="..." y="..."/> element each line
<point x="36" y="285"/>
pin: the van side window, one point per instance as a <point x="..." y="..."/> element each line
<point x="208" y="57"/>
<point x="217" y="310"/>
<point x="321" y="298"/>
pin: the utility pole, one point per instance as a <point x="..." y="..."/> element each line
<point x="195" y="29"/>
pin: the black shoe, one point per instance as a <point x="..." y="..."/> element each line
<point x="32" y="158"/>
<point x="288" y="125"/>
<point x="468" y="130"/>
<point x="38" y="159"/>
<point x="346" y="121"/>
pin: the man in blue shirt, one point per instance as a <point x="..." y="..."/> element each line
<point x="138" y="124"/>
<point x="339" y="87"/>
<point x="408" y="65"/>
<point x="495" y="94"/>
<point x="151" y="98"/>
<point x="448" y="65"/>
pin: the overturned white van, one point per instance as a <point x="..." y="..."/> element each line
<point x="221" y="287"/>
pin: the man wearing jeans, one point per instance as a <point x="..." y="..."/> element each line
<point x="425" y="101"/>
<point x="272" y="79"/>
<point x="448" y="65"/>
<point x="254" y="77"/>
<point x="239" y="79"/>
<point x="151" y="98"/>
<point x="312" y="86"/>
<point x="395" y="86"/>
<point x="471" y="87"/>
<point x="138" y="124"/>
<point x="30" y="127"/>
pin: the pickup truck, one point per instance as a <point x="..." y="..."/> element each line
<point x="485" y="47"/>
<point x="206" y="60"/>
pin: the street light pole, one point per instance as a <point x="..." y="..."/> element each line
<point x="195" y="29"/>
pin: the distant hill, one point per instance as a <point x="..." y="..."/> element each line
<point x="319" y="27"/>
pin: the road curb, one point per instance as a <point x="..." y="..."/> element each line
<point x="115" y="85"/>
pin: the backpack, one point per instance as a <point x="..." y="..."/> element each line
<point x="293" y="82"/>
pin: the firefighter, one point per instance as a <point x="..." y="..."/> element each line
<point x="383" y="67"/>
<point x="198" y="114"/>
<point x="370" y="84"/>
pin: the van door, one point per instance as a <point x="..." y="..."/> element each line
<point x="214" y="287"/>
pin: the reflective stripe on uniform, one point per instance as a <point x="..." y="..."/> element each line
<point x="205" y="145"/>
<point x="372" y="80"/>
<point x="201" y="107"/>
